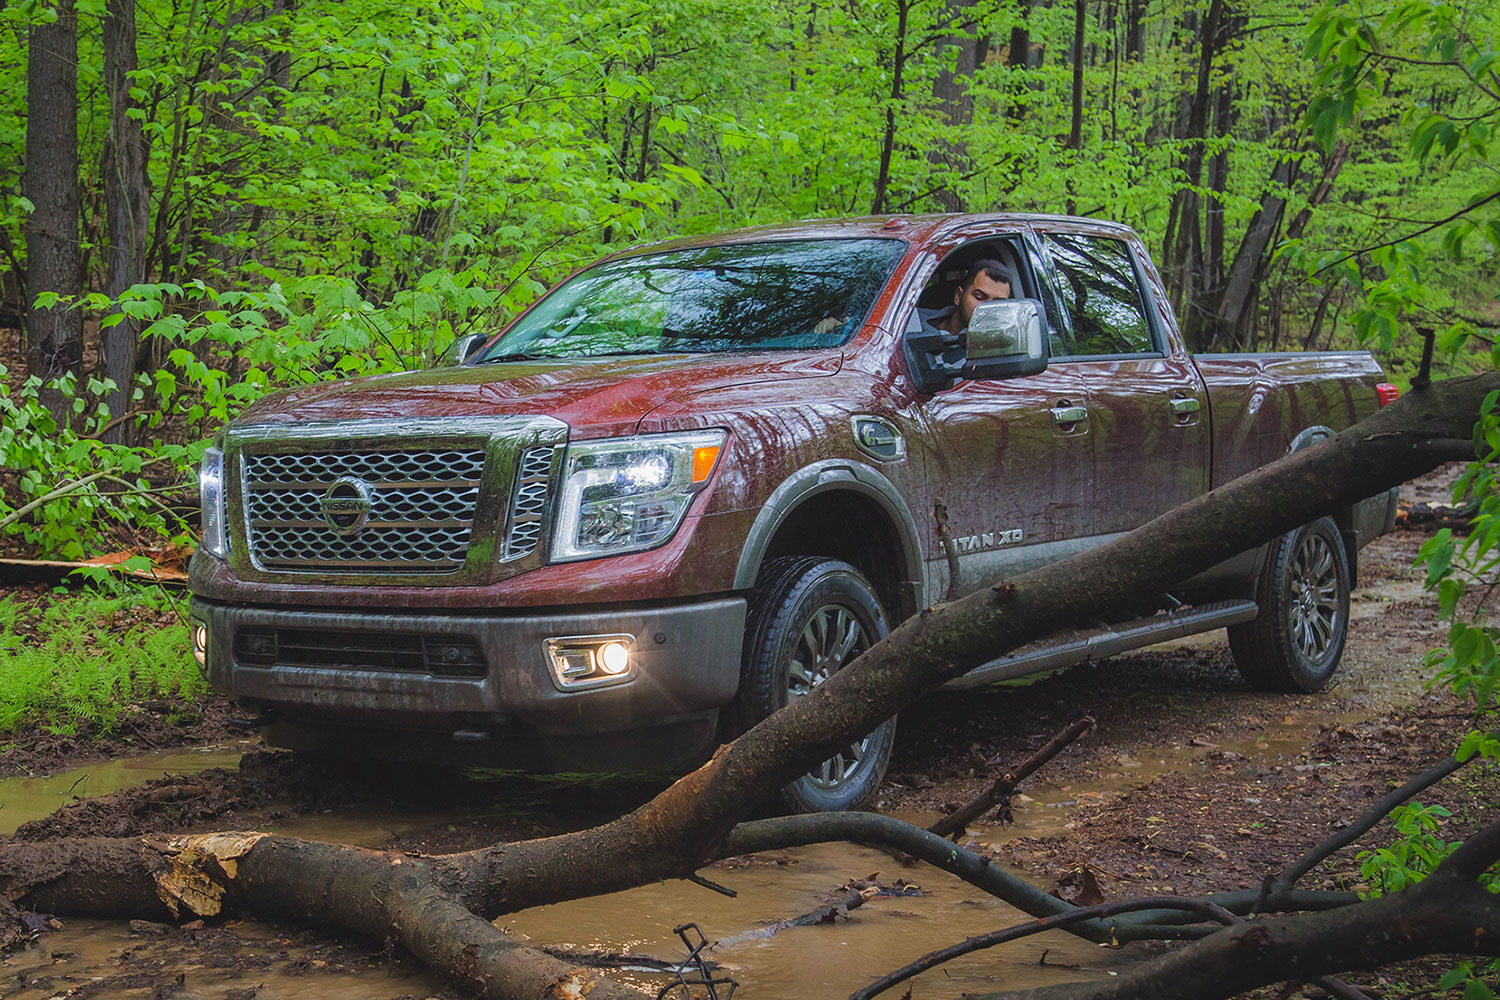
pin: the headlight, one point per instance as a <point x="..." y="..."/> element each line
<point x="628" y="494"/>
<point x="211" y="504"/>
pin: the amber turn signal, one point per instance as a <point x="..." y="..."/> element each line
<point x="703" y="461"/>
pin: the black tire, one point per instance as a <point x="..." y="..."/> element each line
<point x="823" y="611"/>
<point x="1296" y="642"/>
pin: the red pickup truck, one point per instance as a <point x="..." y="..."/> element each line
<point x="699" y="476"/>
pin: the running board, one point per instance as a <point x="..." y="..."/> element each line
<point x="1095" y="644"/>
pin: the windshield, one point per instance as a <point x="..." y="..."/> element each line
<point x="748" y="296"/>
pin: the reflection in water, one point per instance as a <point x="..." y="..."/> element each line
<point x="25" y="799"/>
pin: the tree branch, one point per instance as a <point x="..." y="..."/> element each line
<point x="1411" y="235"/>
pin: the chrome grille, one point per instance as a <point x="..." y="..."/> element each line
<point x="421" y="509"/>
<point x="529" y="504"/>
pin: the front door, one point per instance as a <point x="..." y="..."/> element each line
<point x="1013" y="463"/>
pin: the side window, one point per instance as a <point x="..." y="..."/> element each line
<point x="1059" y="337"/>
<point x="1097" y="284"/>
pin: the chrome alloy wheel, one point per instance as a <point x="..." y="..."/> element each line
<point x="1314" y="605"/>
<point x="832" y="637"/>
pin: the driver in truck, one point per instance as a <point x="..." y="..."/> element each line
<point x="986" y="280"/>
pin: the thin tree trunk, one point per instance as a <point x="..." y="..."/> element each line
<point x="127" y="197"/>
<point x="888" y="140"/>
<point x="1075" y="132"/>
<point x="1018" y="57"/>
<point x="1332" y="164"/>
<point x="54" y="261"/>
<point x="1135" y="31"/>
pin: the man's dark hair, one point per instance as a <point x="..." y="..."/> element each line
<point x="992" y="269"/>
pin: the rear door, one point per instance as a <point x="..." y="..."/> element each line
<point x="1147" y="405"/>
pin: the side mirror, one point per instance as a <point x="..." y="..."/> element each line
<point x="1005" y="338"/>
<point x="462" y="349"/>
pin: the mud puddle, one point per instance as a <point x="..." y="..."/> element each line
<point x="828" y="960"/>
<point x="25" y="799"/>
<point x="237" y="961"/>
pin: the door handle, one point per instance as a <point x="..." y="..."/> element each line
<point x="1182" y="407"/>
<point x="1070" y="414"/>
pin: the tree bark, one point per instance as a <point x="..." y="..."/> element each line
<point x="950" y="156"/>
<point x="1445" y="909"/>
<point x="54" y="260"/>
<point x="438" y="907"/>
<point x="1228" y="320"/>
<point x="127" y="198"/>
<point x="1075" y="130"/>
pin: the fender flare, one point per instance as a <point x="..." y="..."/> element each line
<point x="822" y="477"/>
<point x="1310" y="436"/>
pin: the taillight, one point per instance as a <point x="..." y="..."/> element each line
<point x="1387" y="393"/>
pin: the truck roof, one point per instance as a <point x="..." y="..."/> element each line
<point x="916" y="229"/>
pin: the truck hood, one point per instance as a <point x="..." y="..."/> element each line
<point x="602" y="395"/>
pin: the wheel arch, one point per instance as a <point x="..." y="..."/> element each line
<point x="1347" y="518"/>
<point x="844" y="510"/>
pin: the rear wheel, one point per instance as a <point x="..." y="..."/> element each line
<point x="1296" y="642"/>
<point x="809" y="617"/>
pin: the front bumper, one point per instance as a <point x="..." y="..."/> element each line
<point x="685" y="667"/>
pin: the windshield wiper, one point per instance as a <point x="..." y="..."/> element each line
<point x="520" y="356"/>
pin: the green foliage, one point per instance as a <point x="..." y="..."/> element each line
<point x="1462" y="571"/>
<point x="1419" y="77"/>
<point x="72" y="487"/>
<point x="1416" y="852"/>
<point x="60" y="668"/>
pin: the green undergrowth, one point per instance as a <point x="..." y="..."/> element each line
<point x="75" y="662"/>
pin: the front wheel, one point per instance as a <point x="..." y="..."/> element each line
<point x="808" y="618"/>
<point x="1296" y="642"/>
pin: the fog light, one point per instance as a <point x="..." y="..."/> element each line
<point x="614" y="657"/>
<point x="585" y="661"/>
<point x="199" y="634"/>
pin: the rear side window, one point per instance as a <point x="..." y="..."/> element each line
<point x="1097" y="285"/>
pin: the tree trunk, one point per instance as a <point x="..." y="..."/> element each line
<point x="1226" y="323"/>
<point x="54" y="260"/>
<point x="127" y="198"/>
<point x="1230" y="317"/>
<point x="1019" y="57"/>
<point x="1184" y="261"/>
<point x="888" y="139"/>
<point x="439" y="908"/>
<point x="1135" y="30"/>
<point x="1075" y="132"/>
<point x="950" y="157"/>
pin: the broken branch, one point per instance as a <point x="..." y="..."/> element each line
<point x="954" y="824"/>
